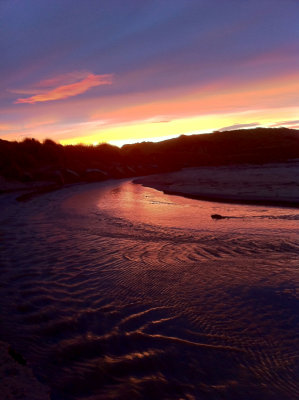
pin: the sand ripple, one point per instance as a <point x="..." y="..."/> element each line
<point x="110" y="308"/>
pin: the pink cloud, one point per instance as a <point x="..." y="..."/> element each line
<point x="63" y="79"/>
<point x="286" y="123"/>
<point x="66" y="90"/>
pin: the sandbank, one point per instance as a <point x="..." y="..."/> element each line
<point x="270" y="184"/>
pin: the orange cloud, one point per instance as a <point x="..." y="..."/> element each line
<point x="6" y="127"/>
<point x="69" y="90"/>
<point x="276" y="92"/>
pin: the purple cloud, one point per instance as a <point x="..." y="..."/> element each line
<point x="286" y="123"/>
<point x="239" y="126"/>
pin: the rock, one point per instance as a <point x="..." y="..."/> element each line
<point x="94" y="175"/>
<point x="70" y="176"/>
<point x="217" y="216"/>
<point x="100" y="171"/>
<point x="118" y="172"/>
<point x="131" y="170"/>
<point x="71" y="172"/>
<point x="26" y="177"/>
<point x="58" y="177"/>
<point x="50" y="174"/>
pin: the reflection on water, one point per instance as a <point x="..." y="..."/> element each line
<point x="142" y="204"/>
<point x="121" y="292"/>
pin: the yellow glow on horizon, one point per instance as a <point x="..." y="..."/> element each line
<point x="158" y="115"/>
<point x="149" y="131"/>
<point x="132" y="133"/>
<point x="197" y="111"/>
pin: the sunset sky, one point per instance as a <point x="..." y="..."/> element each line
<point x="87" y="71"/>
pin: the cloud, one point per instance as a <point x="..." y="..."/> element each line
<point x="165" y="121"/>
<point x="66" y="90"/>
<point x="6" y="127"/>
<point x="286" y="123"/>
<point x="63" y="79"/>
<point x="238" y="126"/>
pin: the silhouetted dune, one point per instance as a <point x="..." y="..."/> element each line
<point x="260" y="145"/>
<point x="30" y="160"/>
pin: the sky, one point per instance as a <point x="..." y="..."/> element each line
<point x="124" y="71"/>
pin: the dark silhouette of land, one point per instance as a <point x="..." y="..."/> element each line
<point x="32" y="161"/>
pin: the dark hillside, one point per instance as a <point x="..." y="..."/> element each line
<point x="31" y="160"/>
<point x="259" y="145"/>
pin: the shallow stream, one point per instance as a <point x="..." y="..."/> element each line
<point x="116" y="291"/>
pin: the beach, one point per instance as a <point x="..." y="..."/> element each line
<point x="113" y="290"/>
<point x="276" y="184"/>
<point x="149" y="200"/>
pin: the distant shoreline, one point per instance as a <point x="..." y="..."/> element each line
<point x="274" y="185"/>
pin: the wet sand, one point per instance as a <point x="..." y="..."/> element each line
<point x="18" y="381"/>
<point x="117" y="291"/>
<point x="270" y="184"/>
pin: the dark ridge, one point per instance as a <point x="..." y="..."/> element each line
<point x="32" y="161"/>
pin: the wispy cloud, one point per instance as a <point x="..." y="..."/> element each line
<point x="6" y="127"/>
<point x="286" y="123"/>
<point x="239" y="126"/>
<point x="64" y="91"/>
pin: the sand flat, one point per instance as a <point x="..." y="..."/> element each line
<point x="18" y="381"/>
<point x="264" y="184"/>
<point x="105" y="297"/>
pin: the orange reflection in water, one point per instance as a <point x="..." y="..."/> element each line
<point x="144" y="205"/>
